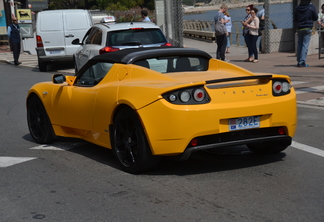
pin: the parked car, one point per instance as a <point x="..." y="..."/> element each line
<point x="164" y="101"/>
<point x="109" y="36"/>
<point x="55" y="30"/>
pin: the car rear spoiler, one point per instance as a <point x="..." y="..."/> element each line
<point x="238" y="79"/>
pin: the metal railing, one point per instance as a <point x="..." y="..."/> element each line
<point x="204" y="30"/>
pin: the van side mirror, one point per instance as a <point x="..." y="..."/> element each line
<point x="58" y="78"/>
<point x="76" y="42"/>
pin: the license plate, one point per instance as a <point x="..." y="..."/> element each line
<point x="55" y="52"/>
<point x="244" y="123"/>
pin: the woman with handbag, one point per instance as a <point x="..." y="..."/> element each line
<point x="245" y="22"/>
<point x="253" y="35"/>
<point x="221" y="40"/>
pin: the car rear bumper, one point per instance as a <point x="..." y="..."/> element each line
<point x="226" y="139"/>
<point x="43" y="58"/>
<point x="170" y="128"/>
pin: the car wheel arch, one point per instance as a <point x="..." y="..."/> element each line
<point x="114" y="114"/>
<point x="146" y="159"/>
<point x="36" y="94"/>
<point x="32" y="94"/>
<point x="39" y="123"/>
<point x="124" y="106"/>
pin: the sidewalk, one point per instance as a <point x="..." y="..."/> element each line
<point x="278" y="63"/>
<point x="308" y="82"/>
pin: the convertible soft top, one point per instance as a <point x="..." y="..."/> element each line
<point x="129" y="56"/>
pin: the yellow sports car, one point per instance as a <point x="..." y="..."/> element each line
<point x="167" y="101"/>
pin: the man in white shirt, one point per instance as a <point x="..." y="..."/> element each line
<point x="14" y="39"/>
<point x="144" y="16"/>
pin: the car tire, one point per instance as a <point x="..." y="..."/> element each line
<point x="39" y="124"/>
<point x="42" y="66"/>
<point x="266" y="148"/>
<point x="130" y="145"/>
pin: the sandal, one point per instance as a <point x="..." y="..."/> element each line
<point x="248" y="60"/>
<point x="255" y="61"/>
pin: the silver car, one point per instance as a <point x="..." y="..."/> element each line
<point x="108" y="37"/>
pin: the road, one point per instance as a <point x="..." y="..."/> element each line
<point x="73" y="180"/>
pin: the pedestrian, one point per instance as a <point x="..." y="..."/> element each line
<point x="145" y="16"/>
<point x="228" y="24"/>
<point x="15" y="40"/>
<point x="304" y="15"/>
<point x="221" y="40"/>
<point x="261" y="16"/>
<point x="253" y="35"/>
<point x="320" y="22"/>
<point x="246" y="21"/>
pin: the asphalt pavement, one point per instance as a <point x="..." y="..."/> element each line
<point x="308" y="82"/>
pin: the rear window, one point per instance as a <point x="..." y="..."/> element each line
<point x="175" y="64"/>
<point x="133" y="37"/>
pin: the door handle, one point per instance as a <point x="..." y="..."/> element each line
<point x="70" y="35"/>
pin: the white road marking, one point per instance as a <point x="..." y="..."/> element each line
<point x="6" y="161"/>
<point x="308" y="149"/>
<point x="47" y="147"/>
<point x="297" y="82"/>
<point x="309" y="89"/>
<point x="58" y="146"/>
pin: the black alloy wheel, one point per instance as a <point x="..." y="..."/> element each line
<point x="39" y="124"/>
<point x="130" y="144"/>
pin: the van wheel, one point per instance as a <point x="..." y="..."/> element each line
<point x="42" y="66"/>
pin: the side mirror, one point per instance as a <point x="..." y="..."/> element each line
<point x="76" y="42"/>
<point x="58" y="78"/>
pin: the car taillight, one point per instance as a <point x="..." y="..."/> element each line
<point x="188" y="96"/>
<point x="107" y="49"/>
<point x="199" y="95"/>
<point x="39" y="41"/>
<point x="167" y="44"/>
<point x="280" y="87"/>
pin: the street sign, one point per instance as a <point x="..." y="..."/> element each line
<point x="26" y="30"/>
<point x="24" y="16"/>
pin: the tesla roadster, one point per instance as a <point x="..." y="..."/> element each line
<point x="151" y="102"/>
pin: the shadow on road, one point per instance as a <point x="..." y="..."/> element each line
<point x="215" y="160"/>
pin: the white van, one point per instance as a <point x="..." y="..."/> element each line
<point x="55" y="30"/>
